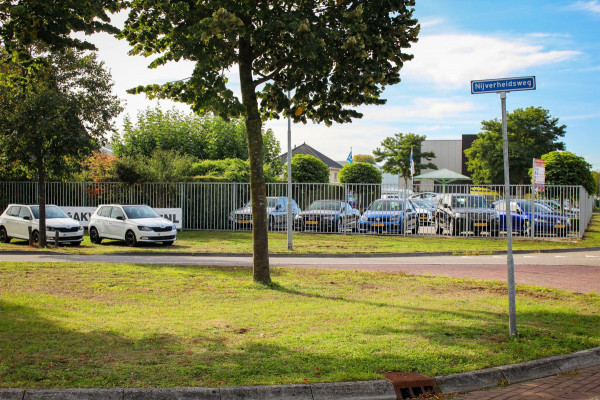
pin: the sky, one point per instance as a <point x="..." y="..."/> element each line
<point x="558" y="42"/>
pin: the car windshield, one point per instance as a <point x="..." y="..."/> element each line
<point x="387" y="205"/>
<point x="469" y="201"/>
<point x="328" y="205"/>
<point x="51" y="212"/>
<point x="137" y="212"/>
<point x="551" y="204"/>
<point x="539" y="207"/>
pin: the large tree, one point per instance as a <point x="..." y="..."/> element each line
<point x="532" y="132"/>
<point x="54" y="115"/>
<point x="206" y="136"/>
<point x="395" y="152"/>
<point x="566" y="168"/>
<point x="329" y="54"/>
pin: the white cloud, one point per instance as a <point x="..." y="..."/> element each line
<point x="591" y="6"/>
<point x="420" y="108"/>
<point x="453" y="60"/>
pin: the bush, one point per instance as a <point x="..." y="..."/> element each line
<point x="309" y="169"/>
<point x="360" y="173"/>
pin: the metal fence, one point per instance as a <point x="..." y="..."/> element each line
<point x="458" y="210"/>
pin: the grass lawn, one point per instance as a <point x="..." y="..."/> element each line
<point x="106" y="325"/>
<point x="241" y="242"/>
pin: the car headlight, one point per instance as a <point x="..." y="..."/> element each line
<point x="144" y="228"/>
<point x="80" y="228"/>
<point x="173" y="227"/>
<point x="568" y="221"/>
<point x="51" y="229"/>
<point x="458" y="215"/>
<point x="364" y="218"/>
<point x="329" y="218"/>
<point x="536" y="219"/>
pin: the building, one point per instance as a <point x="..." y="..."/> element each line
<point x="334" y="166"/>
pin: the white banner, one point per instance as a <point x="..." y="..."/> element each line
<point x="539" y="174"/>
<point x="83" y="214"/>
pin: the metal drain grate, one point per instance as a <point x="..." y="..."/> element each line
<point x="409" y="385"/>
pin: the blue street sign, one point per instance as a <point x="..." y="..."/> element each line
<point x="503" y="85"/>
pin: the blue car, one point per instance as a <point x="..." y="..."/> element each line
<point x="389" y="215"/>
<point x="545" y="220"/>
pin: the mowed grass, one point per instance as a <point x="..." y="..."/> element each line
<point x="107" y="325"/>
<point x="241" y="243"/>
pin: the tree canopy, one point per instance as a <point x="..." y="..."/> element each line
<point x="360" y="172"/>
<point x="53" y="116"/>
<point x="332" y="56"/>
<point x="532" y="132"/>
<point x="368" y="158"/>
<point x="566" y="168"/>
<point x="309" y="169"/>
<point x="206" y="136"/>
<point x="395" y="153"/>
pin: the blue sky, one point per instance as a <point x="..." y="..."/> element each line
<point x="558" y="42"/>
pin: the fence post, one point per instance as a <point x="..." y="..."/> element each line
<point x="233" y="224"/>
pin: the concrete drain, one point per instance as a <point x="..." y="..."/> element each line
<point x="411" y="385"/>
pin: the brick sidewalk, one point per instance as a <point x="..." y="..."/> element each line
<point x="578" y="385"/>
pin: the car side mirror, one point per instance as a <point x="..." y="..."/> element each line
<point x="409" y="210"/>
<point x="28" y="218"/>
<point x="446" y="205"/>
<point x="121" y="218"/>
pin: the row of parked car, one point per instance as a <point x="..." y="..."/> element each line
<point x="452" y="213"/>
<point x="129" y="223"/>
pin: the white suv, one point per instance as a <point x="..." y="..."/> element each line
<point x="132" y="224"/>
<point x="17" y="218"/>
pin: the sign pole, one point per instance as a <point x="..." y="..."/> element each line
<point x="290" y="240"/>
<point x="502" y="86"/>
<point x="512" y="309"/>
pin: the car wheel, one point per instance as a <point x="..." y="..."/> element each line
<point x="130" y="239"/>
<point x="170" y="243"/>
<point x="35" y="238"/>
<point x="339" y="227"/>
<point x="526" y="229"/>
<point x="4" y="236"/>
<point x="271" y="223"/>
<point x="416" y="229"/>
<point x="453" y="230"/>
<point x="438" y="227"/>
<point x="95" y="236"/>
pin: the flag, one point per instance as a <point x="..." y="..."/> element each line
<point x="412" y="163"/>
<point x="350" y="157"/>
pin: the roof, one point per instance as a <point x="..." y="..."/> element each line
<point x="443" y="174"/>
<point x="306" y="149"/>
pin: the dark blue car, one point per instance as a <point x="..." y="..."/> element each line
<point x="389" y="215"/>
<point x="545" y="220"/>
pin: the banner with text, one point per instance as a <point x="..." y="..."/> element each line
<point x="83" y="214"/>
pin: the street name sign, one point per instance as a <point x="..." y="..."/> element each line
<point x="503" y="85"/>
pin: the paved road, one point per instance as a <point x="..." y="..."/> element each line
<point x="576" y="271"/>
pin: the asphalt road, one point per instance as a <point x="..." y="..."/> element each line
<point x="576" y="271"/>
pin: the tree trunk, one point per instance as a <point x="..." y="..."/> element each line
<point x="258" y="190"/>
<point x="42" y="200"/>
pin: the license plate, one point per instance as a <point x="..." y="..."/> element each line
<point x="378" y="224"/>
<point x="423" y="217"/>
<point x="312" y="222"/>
<point x="559" y="226"/>
<point x="480" y="224"/>
<point x="243" y="221"/>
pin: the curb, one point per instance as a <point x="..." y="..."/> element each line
<point x="362" y="390"/>
<point x="306" y="255"/>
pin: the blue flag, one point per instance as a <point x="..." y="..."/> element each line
<point x="350" y="157"/>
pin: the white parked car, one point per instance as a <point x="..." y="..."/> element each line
<point x="132" y="224"/>
<point x="17" y="218"/>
